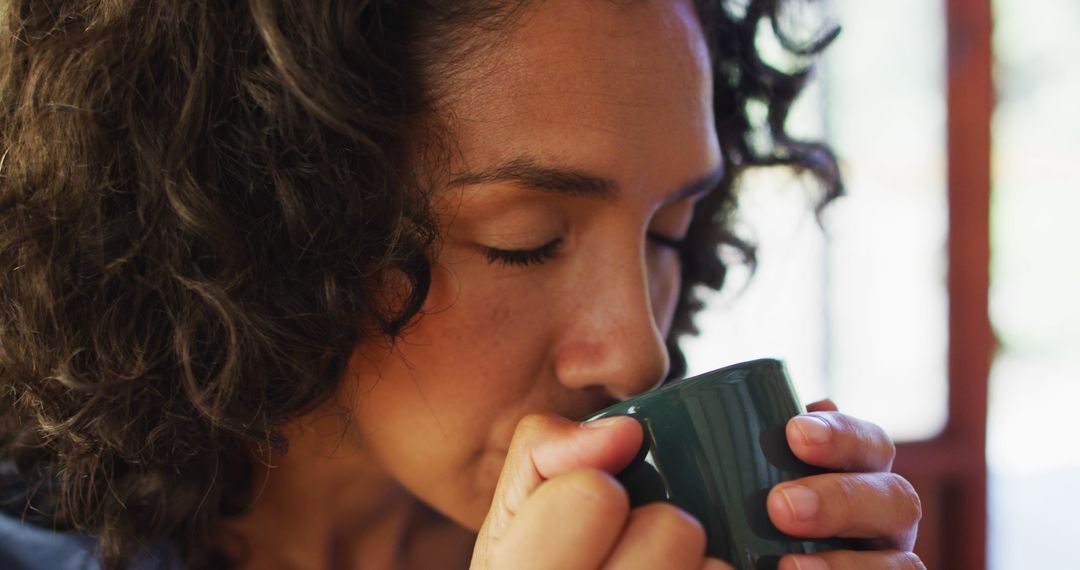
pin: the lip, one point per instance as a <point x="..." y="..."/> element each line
<point x="579" y="413"/>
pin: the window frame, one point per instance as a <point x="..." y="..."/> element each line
<point x="950" y="471"/>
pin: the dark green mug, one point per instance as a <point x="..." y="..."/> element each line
<point x="714" y="446"/>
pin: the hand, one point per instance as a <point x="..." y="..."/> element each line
<point x="557" y="506"/>
<point x="863" y="500"/>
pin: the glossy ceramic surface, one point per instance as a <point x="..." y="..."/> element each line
<point x="714" y="445"/>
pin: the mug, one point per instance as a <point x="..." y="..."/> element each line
<point x="714" y="445"/>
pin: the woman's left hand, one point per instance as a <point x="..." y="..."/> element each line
<point x="863" y="499"/>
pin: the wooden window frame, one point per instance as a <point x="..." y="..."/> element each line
<point x="950" y="470"/>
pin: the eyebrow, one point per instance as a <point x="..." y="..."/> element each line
<point x="532" y="174"/>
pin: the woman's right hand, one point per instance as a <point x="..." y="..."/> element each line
<point x="558" y="506"/>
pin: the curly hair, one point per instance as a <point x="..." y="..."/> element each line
<point x="200" y="204"/>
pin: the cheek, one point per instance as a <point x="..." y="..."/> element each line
<point x="476" y="320"/>
<point x="469" y="354"/>
<point x="439" y="412"/>
<point x="468" y="361"/>
<point x="455" y="387"/>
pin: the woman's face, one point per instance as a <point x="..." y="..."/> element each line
<point x="583" y="141"/>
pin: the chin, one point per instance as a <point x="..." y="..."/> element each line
<point x="468" y="514"/>
<point x="469" y="504"/>
<point x="474" y="521"/>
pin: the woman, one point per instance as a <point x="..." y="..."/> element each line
<point x="325" y="285"/>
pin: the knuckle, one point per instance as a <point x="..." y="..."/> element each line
<point x="872" y="437"/>
<point x="891" y="559"/>
<point x="593" y="491"/>
<point x="840" y="495"/>
<point x="532" y="424"/>
<point x="862" y="441"/>
<point x="840" y="422"/>
<point x="910" y="561"/>
<point x="888" y="446"/>
<point x="850" y="439"/>
<point x="532" y="430"/>
<point x="911" y="511"/>
<point x="672" y="526"/>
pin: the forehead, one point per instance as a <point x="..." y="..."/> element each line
<point x="620" y="87"/>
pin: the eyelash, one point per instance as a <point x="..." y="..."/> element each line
<point x="550" y="250"/>
<point x="668" y="242"/>
<point x="525" y="257"/>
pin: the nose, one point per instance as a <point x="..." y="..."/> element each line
<point x="611" y="338"/>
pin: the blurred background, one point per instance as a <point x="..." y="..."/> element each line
<point x="941" y="297"/>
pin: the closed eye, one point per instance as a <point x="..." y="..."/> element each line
<point x="665" y="241"/>
<point x="524" y="257"/>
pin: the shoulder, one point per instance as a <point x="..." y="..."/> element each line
<point x="25" y="546"/>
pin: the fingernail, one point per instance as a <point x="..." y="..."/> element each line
<point x="809" y="563"/>
<point x="813" y="429"/>
<point x="601" y="423"/>
<point x="802" y="501"/>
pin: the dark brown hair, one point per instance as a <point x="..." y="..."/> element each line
<point x="199" y="204"/>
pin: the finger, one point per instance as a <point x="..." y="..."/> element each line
<point x="659" y="535"/>
<point x="545" y="446"/>
<point x="571" y="522"/>
<point x="839" y="441"/>
<point x="848" y="560"/>
<point x="716" y="564"/>
<point x="825" y="405"/>
<point x="880" y="506"/>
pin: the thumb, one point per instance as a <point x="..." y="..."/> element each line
<point x="546" y="446"/>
